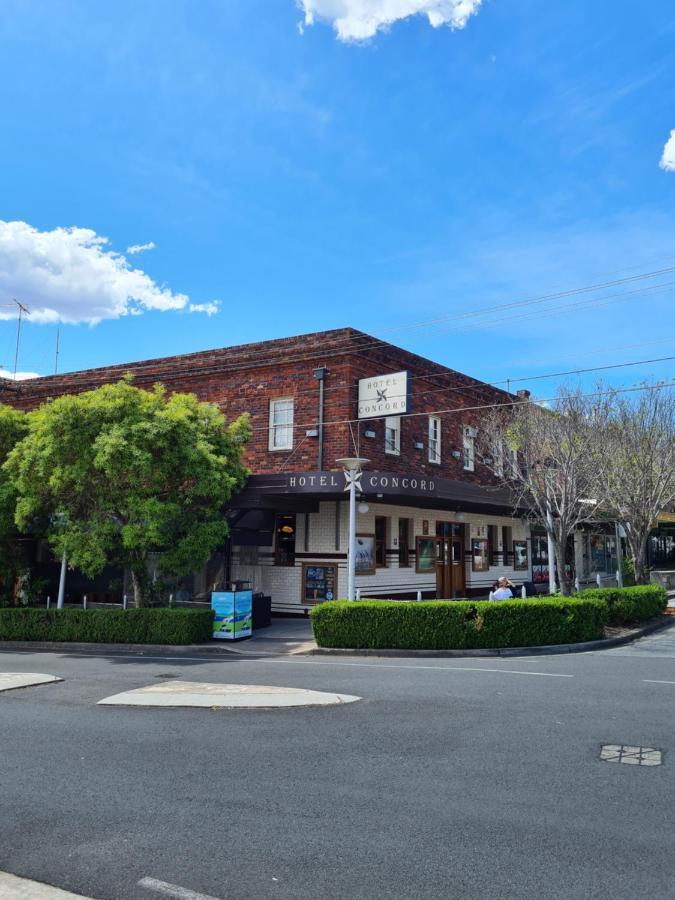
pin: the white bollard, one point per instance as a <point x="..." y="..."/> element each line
<point x="618" y="578"/>
<point x="598" y="579"/>
<point x="358" y="593"/>
<point x="124" y="602"/>
<point x="523" y="593"/>
<point x="577" y="585"/>
<point x="419" y="596"/>
<point x="49" y="601"/>
<point x="84" y="601"/>
<point x="170" y="599"/>
<point x="491" y="596"/>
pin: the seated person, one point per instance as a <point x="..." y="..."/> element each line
<point x="503" y="591"/>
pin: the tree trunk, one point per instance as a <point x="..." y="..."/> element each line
<point x="638" y="549"/>
<point x="564" y="583"/>
<point x="138" y="580"/>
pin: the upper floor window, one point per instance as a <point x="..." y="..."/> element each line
<point x="469" y="448"/>
<point x="281" y="424"/>
<point x="434" y="439"/>
<point x="392" y="435"/>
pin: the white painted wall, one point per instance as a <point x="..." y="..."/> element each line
<point x="284" y="584"/>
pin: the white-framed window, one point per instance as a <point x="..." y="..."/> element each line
<point x="392" y="435"/>
<point x="469" y="448"/>
<point x="434" y="439"/>
<point x="281" y="424"/>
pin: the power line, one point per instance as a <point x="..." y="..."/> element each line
<point x="464" y="409"/>
<point x="354" y="343"/>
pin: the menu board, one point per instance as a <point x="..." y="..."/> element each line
<point x="319" y="582"/>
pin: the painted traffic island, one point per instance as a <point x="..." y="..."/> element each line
<point x="10" y="681"/>
<point x="208" y="695"/>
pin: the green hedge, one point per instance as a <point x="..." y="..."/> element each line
<point x="112" y="626"/>
<point x="630" y="604"/>
<point x="460" y="625"/>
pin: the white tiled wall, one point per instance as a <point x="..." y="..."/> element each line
<point x="284" y="583"/>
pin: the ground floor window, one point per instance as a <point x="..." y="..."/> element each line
<point x="403" y="543"/>
<point x="380" y="541"/>
<point x="602" y="553"/>
<point x="661" y="548"/>
<point x="284" y="540"/>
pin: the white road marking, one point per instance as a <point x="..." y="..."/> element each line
<point x="14" y="888"/>
<point x="654" y="681"/>
<point x="303" y="662"/>
<point x="312" y="662"/>
<point x="173" y="890"/>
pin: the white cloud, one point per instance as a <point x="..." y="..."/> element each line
<point x="70" y="275"/>
<point x="20" y="376"/>
<point x="357" y="20"/>
<point x="141" y="248"/>
<point x="668" y="158"/>
<point x="209" y="308"/>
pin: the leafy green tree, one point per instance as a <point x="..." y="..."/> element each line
<point x="13" y="557"/>
<point x="121" y="472"/>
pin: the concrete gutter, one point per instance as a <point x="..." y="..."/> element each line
<point x="543" y="650"/>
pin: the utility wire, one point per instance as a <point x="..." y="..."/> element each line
<point x="353" y="343"/>
<point x="514" y="402"/>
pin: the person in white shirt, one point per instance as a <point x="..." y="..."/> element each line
<point x="503" y="591"/>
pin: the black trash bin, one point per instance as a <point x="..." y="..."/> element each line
<point x="262" y="610"/>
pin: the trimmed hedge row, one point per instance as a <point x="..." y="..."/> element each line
<point x="460" y="625"/>
<point x="111" y="626"/>
<point x="630" y="604"/>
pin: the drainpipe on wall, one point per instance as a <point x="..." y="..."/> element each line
<point x="320" y="375"/>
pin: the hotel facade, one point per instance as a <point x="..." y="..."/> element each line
<point x="432" y="520"/>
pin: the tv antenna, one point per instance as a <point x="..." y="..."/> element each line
<point x="22" y="309"/>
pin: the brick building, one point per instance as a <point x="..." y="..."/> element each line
<point x="432" y="517"/>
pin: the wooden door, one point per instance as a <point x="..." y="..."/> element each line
<point x="450" y="579"/>
<point x="458" y="585"/>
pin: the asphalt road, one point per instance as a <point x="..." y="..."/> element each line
<point x="451" y="778"/>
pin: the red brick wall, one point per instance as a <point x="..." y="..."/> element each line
<point x="246" y="378"/>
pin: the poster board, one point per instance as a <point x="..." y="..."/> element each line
<point x="426" y="554"/>
<point x="319" y="582"/>
<point x="520" y="556"/>
<point x="365" y="554"/>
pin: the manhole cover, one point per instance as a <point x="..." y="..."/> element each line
<point x="632" y="756"/>
<point x="166" y="675"/>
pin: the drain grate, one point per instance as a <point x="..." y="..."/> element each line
<point x="166" y="675"/>
<point x="632" y="756"/>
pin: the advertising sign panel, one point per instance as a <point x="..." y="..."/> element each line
<point x="233" y="614"/>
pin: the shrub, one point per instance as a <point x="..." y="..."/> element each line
<point x="630" y="604"/>
<point x="113" y="626"/>
<point x="628" y="571"/>
<point x="460" y="625"/>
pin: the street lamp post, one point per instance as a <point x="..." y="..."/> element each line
<point x="352" y="468"/>
<point x="62" y="581"/>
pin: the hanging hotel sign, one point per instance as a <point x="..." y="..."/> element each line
<point x="384" y="395"/>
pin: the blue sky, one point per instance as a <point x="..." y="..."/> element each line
<point x="301" y="181"/>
